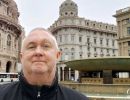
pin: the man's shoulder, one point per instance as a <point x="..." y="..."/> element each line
<point x="7" y="90"/>
<point x="72" y="94"/>
<point x="7" y="86"/>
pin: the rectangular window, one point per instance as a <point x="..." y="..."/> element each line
<point x="88" y="48"/>
<point x="95" y="33"/>
<point x="107" y="42"/>
<point x="72" y="55"/>
<point x="128" y="30"/>
<point x="95" y="40"/>
<point x="113" y="42"/>
<point x="80" y="39"/>
<point x="129" y="52"/>
<point x="88" y="40"/>
<point x="113" y="51"/>
<point x="101" y="41"/>
<point x="128" y="43"/>
<point x="95" y="49"/>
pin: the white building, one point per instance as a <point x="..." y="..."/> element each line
<point x="80" y="38"/>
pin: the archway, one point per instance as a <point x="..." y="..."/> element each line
<point x="8" y="66"/>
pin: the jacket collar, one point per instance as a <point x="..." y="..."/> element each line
<point x="38" y="92"/>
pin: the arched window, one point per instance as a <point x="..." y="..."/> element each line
<point x="8" y="42"/>
<point x="15" y="43"/>
<point x="66" y="49"/>
<point x="8" y="66"/>
<point x="8" y="11"/>
<point x="66" y="56"/>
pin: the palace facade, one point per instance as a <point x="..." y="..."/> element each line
<point x="10" y="36"/>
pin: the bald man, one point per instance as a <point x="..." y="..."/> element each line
<point x="38" y="79"/>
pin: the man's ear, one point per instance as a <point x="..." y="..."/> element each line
<point x="20" y="55"/>
<point x="58" y="55"/>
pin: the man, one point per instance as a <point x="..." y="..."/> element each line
<point x="38" y="79"/>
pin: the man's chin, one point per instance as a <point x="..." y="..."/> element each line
<point x="39" y="70"/>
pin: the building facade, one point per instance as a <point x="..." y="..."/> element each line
<point x="10" y="36"/>
<point x="123" y="23"/>
<point x="80" y="38"/>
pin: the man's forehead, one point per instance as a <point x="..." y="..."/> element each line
<point x="39" y="32"/>
<point x="37" y="36"/>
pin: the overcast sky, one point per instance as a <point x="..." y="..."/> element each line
<point x="43" y="13"/>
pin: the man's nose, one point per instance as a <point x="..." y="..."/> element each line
<point x="39" y="51"/>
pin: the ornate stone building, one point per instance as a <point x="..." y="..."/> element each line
<point x="123" y="23"/>
<point x="80" y="38"/>
<point x="10" y="36"/>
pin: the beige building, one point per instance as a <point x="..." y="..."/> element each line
<point x="81" y="38"/>
<point x="10" y="36"/>
<point x="123" y="22"/>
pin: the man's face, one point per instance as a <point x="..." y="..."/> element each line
<point x="39" y="54"/>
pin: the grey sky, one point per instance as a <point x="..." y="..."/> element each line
<point x="43" y="13"/>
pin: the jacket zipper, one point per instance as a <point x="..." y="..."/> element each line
<point x="39" y="92"/>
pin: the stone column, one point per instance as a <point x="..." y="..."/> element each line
<point x="3" y="64"/>
<point x="69" y="73"/>
<point x="62" y="73"/>
<point x="98" y="74"/>
<point x="107" y="77"/>
<point x="76" y="75"/>
<point x="58" y="72"/>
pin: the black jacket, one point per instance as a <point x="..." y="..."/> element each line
<point x="21" y="90"/>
